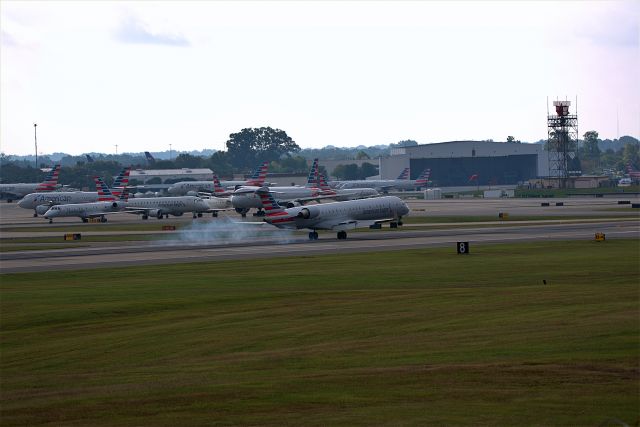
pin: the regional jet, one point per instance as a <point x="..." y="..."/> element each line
<point x="41" y="202"/>
<point x="13" y="192"/>
<point x="400" y="183"/>
<point x="336" y="216"/>
<point x="193" y="187"/>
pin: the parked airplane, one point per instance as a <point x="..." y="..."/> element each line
<point x="390" y="184"/>
<point x="633" y="174"/>
<point x="150" y="159"/>
<point x="193" y="187"/>
<point x="159" y="206"/>
<point x="13" y="192"/>
<point x="342" y="194"/>
<point x="41" y="202"/>
<point x="336" y="216"/>
<point x="244" y="198"/>
<point x="85" y="211"/>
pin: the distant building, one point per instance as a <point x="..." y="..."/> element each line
<point x="454" y="163"/>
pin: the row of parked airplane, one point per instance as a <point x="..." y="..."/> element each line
<point x="338" y="216"/>
<point x="349" y="210"/>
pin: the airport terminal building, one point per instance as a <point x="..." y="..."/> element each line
<point x="454" y="163"/>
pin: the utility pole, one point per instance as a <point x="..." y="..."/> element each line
<point x="35" y="137"/>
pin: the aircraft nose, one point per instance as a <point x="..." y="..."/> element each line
<point x="22" y="203"/>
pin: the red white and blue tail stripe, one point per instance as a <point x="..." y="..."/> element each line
<point x="259" y="175"/>
<point x="274" y="213"/>
<point x="423" y="179"/>
<point x="217" y="187"/>
<point x="404" y="174"/>
<point x="50" y="180"/>
<point x="312" y="178"/>
<point x="104" y="194"/>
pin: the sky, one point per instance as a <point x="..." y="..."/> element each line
<point x="147" y="76"/>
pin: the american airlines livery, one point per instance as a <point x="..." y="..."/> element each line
<point x="194" y="187"/>
<point x="13" y="192"/>
<point x="41" y="202"/>
<point x="336" y="216"/>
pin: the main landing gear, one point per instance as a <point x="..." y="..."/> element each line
<point x="342" y="235"/>
<point x="313" y="235"/>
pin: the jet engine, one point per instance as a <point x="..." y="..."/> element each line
<point x="307" y="213"/>
<point x="42" y="209"/>
<point x="156" y="212"/>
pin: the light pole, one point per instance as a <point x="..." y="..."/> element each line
<point x="35" y="137"/>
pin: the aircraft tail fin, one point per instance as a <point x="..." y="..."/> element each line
<point x="89" y="158"/>
<point x="423" y="179"/>
<point x="269" y="203"/>
<point x="149" y="157"/>
<point x="259" y="175"/>
<point x="104" y="193"/>
<point x="122" y="180"/>
<point x="50" y="181"/>
<point x="324" y="187"/>
<point x="312" y="178"/>
<point x="217" y="187"/>
<point x="404" y="174"/>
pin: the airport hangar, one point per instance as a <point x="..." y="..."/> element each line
<point x="454" y="163"/>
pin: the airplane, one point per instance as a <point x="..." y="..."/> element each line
<point x="193" y="187"/>
<point x="342" y="194"/>
<point x="150" y="159"/>
<point x="86" y="211"/>
<point x="13" y="192"/>
<point x="218" y="200"/>
<point x="401" y="183"/>
<point x="336" y="216"/>
<point x="633" y="174"/>
<point x="244" y="198"/>
<point x="41" y="202"/>
<point x="157" y="206"/>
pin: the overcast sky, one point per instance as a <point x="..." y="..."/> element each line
<point x="145" y="75"/>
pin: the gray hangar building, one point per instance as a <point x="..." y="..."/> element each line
<point x="454" y="163"/>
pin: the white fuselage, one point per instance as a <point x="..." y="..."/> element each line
<point x="380" y="184"/>
<point x="246" y="198"/>
<point x="30" y="201"/>
<point x="84" y="210"/>
<point x="169" y="205"/>
<point x="341" y="215"/>
<point x="17" y="191"/>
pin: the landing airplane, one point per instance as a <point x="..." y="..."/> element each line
<point x="193" y="187"/>
<point x="13" y="192"/>
<point x="41" y="202"/>
<point x="336" y="216"/>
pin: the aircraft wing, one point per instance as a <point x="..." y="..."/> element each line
<point x="351" y="224"/>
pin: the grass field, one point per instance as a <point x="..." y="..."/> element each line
<point x="418" y="337"/>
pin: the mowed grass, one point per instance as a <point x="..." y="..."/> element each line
<point x="417" y="337"/>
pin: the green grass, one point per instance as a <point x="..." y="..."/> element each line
<point x="417" y="337"/>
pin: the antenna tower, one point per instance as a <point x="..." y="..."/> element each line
<point x="562" y="141"/>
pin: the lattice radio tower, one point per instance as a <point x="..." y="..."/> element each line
<point x="562" y="141"/>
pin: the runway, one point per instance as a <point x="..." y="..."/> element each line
<point x="290" y="244"/>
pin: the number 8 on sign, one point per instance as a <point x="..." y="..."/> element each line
<point x="463" y="247"/>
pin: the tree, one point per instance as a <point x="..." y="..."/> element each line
<point x="253" y="145"/>
<point x="590" y="149"/>
<point x="510" y="138"/>
<point x="630" y="155"/>
<point x="346" y="172"/>
<point x="186" y="160"/>
<point x="362" y="155"/>
<point x="367" y="169"/>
